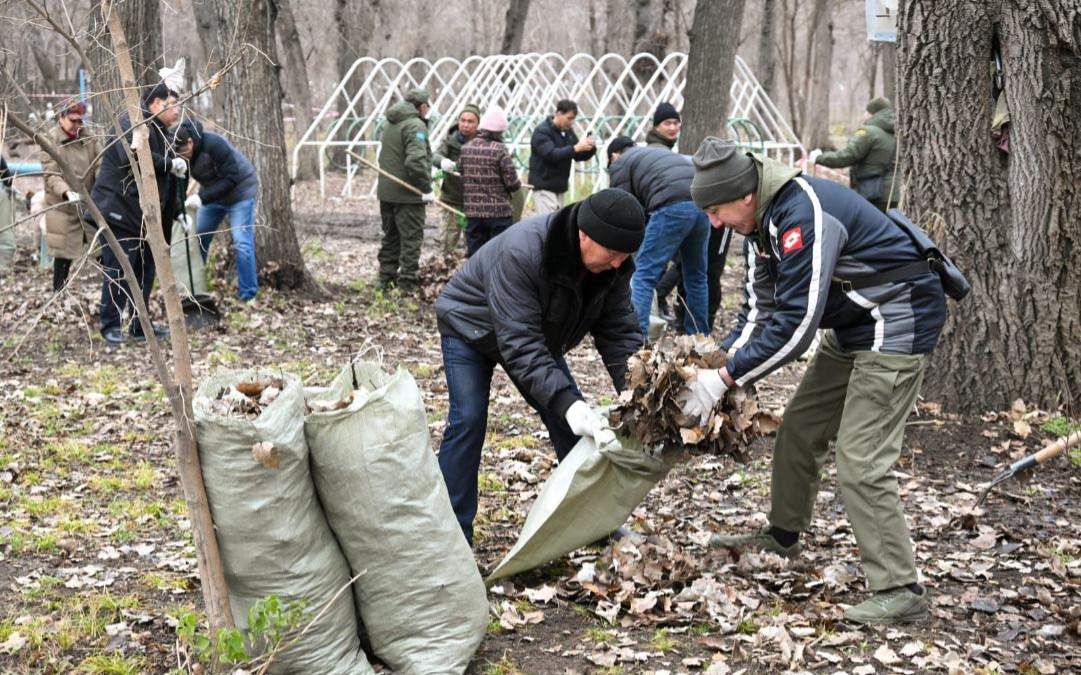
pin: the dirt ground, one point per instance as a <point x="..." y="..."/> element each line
<point x="96" y="560"/>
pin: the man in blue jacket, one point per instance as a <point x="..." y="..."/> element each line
<point x="661" y="182"/>
<point x="553" y="147"/>
<point x="228" y="186"/>
<point x="820" y="256"/>
<point x="116" y="195"/>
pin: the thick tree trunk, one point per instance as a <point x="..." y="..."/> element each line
<point x="1009" y="220"/>
<point x="889" y="70"/>
<point x="613" y="28"/>
<point x="253" y="111"/>
<point x="142" y="24"/>
<point x="766" y="64"/>
<point x="871" y="68"/>
<point x="712" y="58"/>
<point x="44" y="61"/>
<point x="818" y="117"/>
<point x="298" y="86"/>
<point x="213" y="42"/>
<point x="514" y="26"/>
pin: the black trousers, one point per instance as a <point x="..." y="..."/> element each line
<point x="719" y="240"/>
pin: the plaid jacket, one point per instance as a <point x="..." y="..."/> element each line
<point x="488" y="177"/>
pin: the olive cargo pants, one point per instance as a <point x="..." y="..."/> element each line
<point x="403" y="234"/>
<point x="862" y="400"/>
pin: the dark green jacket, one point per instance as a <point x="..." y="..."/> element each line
<point x="655" y="140"/>
<point x="870" y="152"/>
<point x="450" y="148"/>
<point x="405" y="153"/>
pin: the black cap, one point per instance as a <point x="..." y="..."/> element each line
<point x="665" y="111"/>
<point x="614" y="219"/>
<point x="618" y="144"/>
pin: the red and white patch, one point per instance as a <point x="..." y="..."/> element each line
<point x="792" y="240"/>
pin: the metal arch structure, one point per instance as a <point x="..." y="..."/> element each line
<point x="615" y="95"/>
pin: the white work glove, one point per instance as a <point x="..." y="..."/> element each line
<point x="813" y="157"/>
<point x="702" y="393"/>
<point x="427" y="197"/>
<point x="583" y="421"/>
<point x="193" y="202"/>
<point x="73" y="196"/>
<point x="448" y="165"/>
<point x="179" y="167"/>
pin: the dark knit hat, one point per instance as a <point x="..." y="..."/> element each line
<point x="471" y="108"/>
<point x="665" y="111"/>
<point x="417" y="96"/>
<point x="722" y="173"/>
<point x="618" y="144"/>
<point x="614" y="219"/>
<point x="878" y="103"/>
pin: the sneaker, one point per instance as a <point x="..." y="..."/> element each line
<point x="756" y="541"/>
<point x="898" y="605"/>
<point x="113" y="336"/>
<point x="136" y="332"/>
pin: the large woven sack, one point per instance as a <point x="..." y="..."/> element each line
<point x="591" y="493"/>
<point x="186" y="260"/>
<point x="421" y="599"/>
<point x="272" y="534"/>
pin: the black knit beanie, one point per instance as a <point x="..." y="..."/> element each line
<point x="665" y="111"/>
<point x="618" y="144"/>
<point x="614" y="219"/>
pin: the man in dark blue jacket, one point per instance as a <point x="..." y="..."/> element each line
<point x="116" y="195"/>
<point x="523" y="301"/>
<point x="228" y="186"/>
<point x="553" y="147"/>
<point x="820" y="256"/>
<point x="661" y="181"/>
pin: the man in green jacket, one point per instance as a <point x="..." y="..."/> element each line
<point x="666" y="126"/>
<point x="447" y="160"/>
<point x="405" y="154"/>
<point x="871" y="152"/>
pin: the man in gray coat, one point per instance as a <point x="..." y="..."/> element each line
<point x="661" y="182"/>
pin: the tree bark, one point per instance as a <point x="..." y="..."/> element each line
<point x="818" y="117"/>
<point x="1008" y="220"/>
<point x="298" y="85"/>
<point x="613" y="28"/>
<point x="766" y="64"/>
<point x="141" y="20"/>
<point x="888" y="51"/>
<point x="211" y="38"/>
<point x="253" y="111"/>
<point x="712" y="58"/>
<point x="871" y="68"/>
<point x="514" y="26"/>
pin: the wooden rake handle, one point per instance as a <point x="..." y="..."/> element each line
<point x="399" y="181"/>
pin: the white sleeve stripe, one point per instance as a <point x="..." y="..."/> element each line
<point x="876" y="314"/>
<point x="812" y="293"/>
<point x="752" y="304"/>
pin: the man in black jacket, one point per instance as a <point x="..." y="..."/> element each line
<point x="523" y="301"/>
<point x="554" y="146"/>
<point x="116" y="195"/>
<point x="661" y="181"/>
<point x="228" y="186"/>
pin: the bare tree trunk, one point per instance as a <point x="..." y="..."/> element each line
<point x="613" y="16"/>
<point x="871" y="68"/>
<point x="253" y="111"/>
<point x="712" y="58"/>
<point x="818" y="118"/>
<point x="767" y="48"/>
<point x="643" y="25"/>
<point x="141" y="20"/>
<point x="299" y="88"/>
<point x="888" y="51"/>
<point x="45" y="63"/>
<point x="212" y="39"/>
<point x="793" y="90"/>
<point x="514" y="26"/>
<point x="1009" y="220"/>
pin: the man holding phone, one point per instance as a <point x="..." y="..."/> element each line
<point x="554" y="146"/>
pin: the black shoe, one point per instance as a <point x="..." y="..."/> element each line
<point x="136" y="332"/>
<point x="113" y="336"/>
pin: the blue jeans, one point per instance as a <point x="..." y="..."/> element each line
<point x="479" y="231"/>
<point x="469" y="381"/>
<point x="116" y="295"/>
<point x="242" y="228"/>
<point x="682" y="228"/>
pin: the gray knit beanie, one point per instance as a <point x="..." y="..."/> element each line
<point x="722" y="173"/>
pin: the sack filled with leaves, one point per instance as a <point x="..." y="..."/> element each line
<point x="649" y="408"/>
<point x="273" y="537"/>
<point x="591" y="493"/>
<point x="420" y="595"/>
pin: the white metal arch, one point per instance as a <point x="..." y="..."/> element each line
<point x="615" y="95"/>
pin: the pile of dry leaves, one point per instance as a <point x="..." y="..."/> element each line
<point x="247" y="399"/>
<point x="648" y="408"/>
<point x="435" y="271"/>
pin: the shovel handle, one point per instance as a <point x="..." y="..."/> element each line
<point x="1058" y="447"/>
